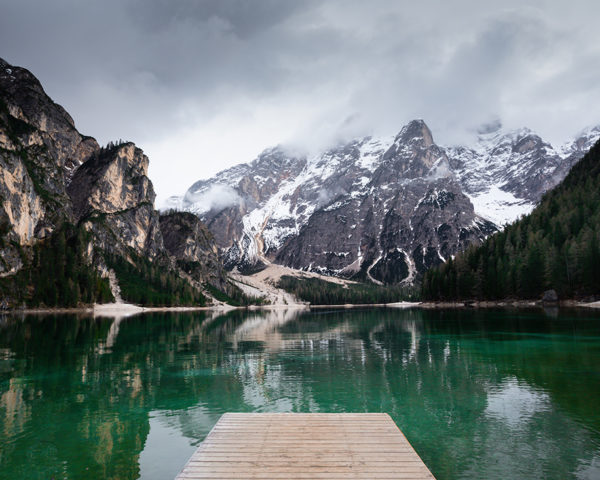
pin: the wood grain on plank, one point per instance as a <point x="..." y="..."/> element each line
<point x="302" y="446"/>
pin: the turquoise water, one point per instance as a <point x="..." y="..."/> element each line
<point x="479" y="394"/>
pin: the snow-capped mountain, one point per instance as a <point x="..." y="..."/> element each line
<point x="505" y="174"/>
<point x="384" y="209"/>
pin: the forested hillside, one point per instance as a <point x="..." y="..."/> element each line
<point x="557" y="247"/>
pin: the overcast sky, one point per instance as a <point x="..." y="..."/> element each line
<point x="204" y="84"/>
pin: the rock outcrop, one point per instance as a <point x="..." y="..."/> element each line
<point x="39" y="149"/>
<point x="550" y="297"/>
<point x="192" y="245"/>
<point x="114" y="198"/>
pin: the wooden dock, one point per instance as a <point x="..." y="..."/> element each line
<point x="305" y="446"/>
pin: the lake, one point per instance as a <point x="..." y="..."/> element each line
<point x="479" y="393"/>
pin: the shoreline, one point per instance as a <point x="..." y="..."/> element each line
<point x="127" y="309"/>
<point x="510" y="304"/>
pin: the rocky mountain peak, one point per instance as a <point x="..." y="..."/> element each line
<point x="28" y="100"/>
<point x="60" y="190"/>
<point x="415" y="132"/>
<point x="506" y="173"/>
<point x="40" y="123"/>
<point x="412" y="155"/>
<point x="377" y="209"/>
<point x="585" y="140"/>
<point x="114" y="179"/>
<point x="135" y="158"/>
<point x="270" y="168"/>
<point x="40" y="149"/>
<point x="527" y="141"/>
<point x="276" y="156"/>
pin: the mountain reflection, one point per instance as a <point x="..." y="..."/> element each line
<point x="479" y="394"/>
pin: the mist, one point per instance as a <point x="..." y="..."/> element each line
<point x="217" y="197"/>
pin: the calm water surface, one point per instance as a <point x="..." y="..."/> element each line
<point x="479" y="394"/>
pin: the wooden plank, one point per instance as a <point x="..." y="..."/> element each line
<point x="303" y="446"/>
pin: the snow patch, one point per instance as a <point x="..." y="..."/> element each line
<point x="500" y="207"/>
<point x="412" y="269"/>
<point x="333" y="206"/>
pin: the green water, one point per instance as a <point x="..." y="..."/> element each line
<point x="479" y="394"/>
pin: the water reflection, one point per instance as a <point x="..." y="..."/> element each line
<point x="515" y="404"/>
<point x="165" y="445"/>
<point x="479" y="394"/>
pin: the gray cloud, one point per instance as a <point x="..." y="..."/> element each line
<point x="205" y="84"/>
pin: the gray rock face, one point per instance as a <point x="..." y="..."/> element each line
<point x="114" y="198"/>
<point x="51" y="127"/>
<point x="112" y="180"/>
<point x="39" y="148"/>
<point x="188" y="240"/>
<point x="412" y="155"/>
<point x="381" y="209"/>
<point x="224" y="200"/>
<point x="521" y="162"/>
<point x="410" y="215"/>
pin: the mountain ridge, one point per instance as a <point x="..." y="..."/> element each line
<point x="266" y="216"/>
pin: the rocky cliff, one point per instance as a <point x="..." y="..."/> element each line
<point x="193" y="247"/>
<point x="382" y="210"/>
<point x="39" y="149"/>
<point x="69" y="205"/>
<point x="114" y="199"/>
